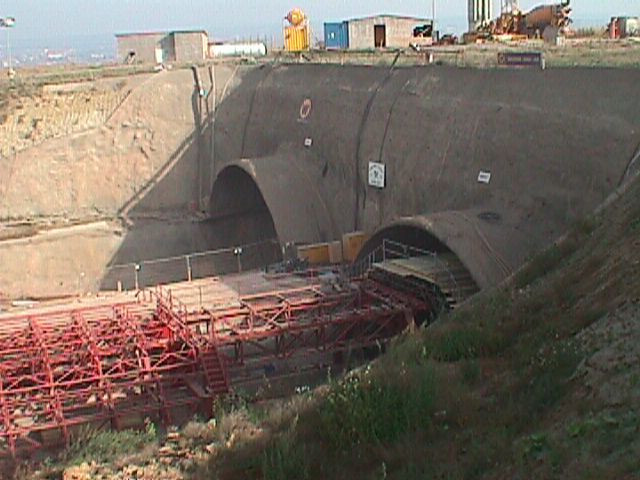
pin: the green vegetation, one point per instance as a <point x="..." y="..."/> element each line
<point x="365" y="409"/>
<point x="284" y="458"/>
<point x="104" y="446"/>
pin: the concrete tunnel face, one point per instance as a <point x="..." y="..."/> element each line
<point x="238" y="204"/>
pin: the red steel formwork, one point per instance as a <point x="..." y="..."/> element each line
<point x="284" y="323"/>
<point x="111" y="363"/>
<point x="92" y="366"/>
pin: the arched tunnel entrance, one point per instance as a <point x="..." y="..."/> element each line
<point x="236" y="199"/>
<point x="409" y="235"/>
<point x="241" y="217"/>
<point x="408" y="254"/>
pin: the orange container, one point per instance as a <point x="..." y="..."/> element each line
<point x="335" y="252"/>
<point x="352" y="243"/>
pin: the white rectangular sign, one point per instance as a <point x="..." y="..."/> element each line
<point x="484" y="177"/>
<point x="377" y="175"/>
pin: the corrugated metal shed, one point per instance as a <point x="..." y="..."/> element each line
<point x="336" y="36"/>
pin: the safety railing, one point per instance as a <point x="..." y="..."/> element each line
<point x="147" y="273"/>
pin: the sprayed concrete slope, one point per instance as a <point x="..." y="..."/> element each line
<point x="556" y="142"/>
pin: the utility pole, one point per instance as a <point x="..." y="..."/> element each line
<point x="433" y="20"/>
<point x="433" y="12"/>
<point x="8" y="23"/>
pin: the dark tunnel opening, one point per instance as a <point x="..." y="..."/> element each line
<point x="409" y="235"/>
<point x="240" y="215"/>
<point x="413" y="245"/>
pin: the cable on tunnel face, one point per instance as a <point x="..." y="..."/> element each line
<point x="629" y="168"/>
<point x="363" y="124"/>
<point x="250" y="114"/>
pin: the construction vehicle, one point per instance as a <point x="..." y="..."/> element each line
<point x="515" y="24"/>
<point x="544" y="16"/>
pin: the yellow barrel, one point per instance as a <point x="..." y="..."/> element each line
<point x="296" y="39"/>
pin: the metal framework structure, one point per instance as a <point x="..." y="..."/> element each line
<point x="282" y="324"/>
<point x="110" y="364"/>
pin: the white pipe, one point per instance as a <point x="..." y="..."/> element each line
<point x="238" y="49"/>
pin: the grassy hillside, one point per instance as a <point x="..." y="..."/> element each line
<point x="540" y="379"/>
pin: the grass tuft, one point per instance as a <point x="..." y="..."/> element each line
<point x="285" y="459"/>
<point x="105" y="446"/>
<point x="364" y="409"/>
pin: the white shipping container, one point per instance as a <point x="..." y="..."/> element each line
<point x="630" y="26"/>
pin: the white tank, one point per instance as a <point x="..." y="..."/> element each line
<point x="238" y="50"/>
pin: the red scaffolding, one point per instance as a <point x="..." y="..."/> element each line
<point x="111" y="363"/>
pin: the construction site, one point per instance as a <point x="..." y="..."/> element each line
<point x="173" y="237"/>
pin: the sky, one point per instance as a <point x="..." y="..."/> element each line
<point x="72" y="20"/>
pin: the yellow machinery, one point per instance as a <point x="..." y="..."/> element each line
<point x="514" y="24"/>
<point x="297" y="35"/>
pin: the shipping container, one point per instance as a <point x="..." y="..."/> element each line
<point x="630" y="26"/>
<point x="623" y="27"/>
<point x="296" y="39"/>
<point x="336" y="36"/>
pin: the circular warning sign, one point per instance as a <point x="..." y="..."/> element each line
<point x="305" y="109"/>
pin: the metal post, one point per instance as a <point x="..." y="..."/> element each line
<point x="214" y="107"/>
<point x="9" y="51"/>
<point x="189" y="273"/>
<point x="238" y="253"/>
<point x="136" y="269"/>
<point x="433" y="15"/>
